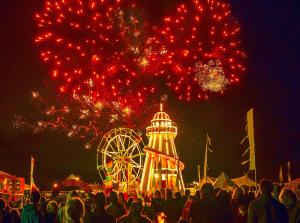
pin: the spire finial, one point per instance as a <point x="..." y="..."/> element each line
<point x="161" y="107"/>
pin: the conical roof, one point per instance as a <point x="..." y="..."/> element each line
<point x="244" y="180"/>
<point x="224" y="182"/>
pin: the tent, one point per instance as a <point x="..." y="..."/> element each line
<point x="207" y="180"/>
<point x="244" y="180"/>
<point x="224" y="182"/>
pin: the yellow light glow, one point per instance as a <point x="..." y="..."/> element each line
<point x="144" y="62"/>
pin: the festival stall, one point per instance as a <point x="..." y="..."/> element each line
<point x="244" y="180"/>
<point x="11" y="187"/>
<point x="224" y="182"/>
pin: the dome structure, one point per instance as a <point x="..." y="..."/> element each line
<point x="161" y="116"/>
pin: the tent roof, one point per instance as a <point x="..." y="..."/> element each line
<point x="224" y="182"/>
<point x="295" y="181"/>
<point x="244" y="180"/>
<point x="208" y="180"/>
<point x="4" y="173"/>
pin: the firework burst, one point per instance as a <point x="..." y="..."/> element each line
<point x="200" y="33"/>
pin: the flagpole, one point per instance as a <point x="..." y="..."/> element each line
<point x="205" y="164"/>
<point x="199" y="174"/>
<point x="289" y="171"/>
<point x="205" y="158"/>
<point x="255" y="178"/>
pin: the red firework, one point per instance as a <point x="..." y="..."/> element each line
<point x="201" y="48"/>
<point x="95" y="48"/>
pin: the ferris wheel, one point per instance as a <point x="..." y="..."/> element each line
<point x="120" y="156"/>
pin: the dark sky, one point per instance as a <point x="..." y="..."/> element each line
<point x="270" y="33"/>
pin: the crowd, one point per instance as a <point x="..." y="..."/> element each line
<point x="270" y="204"/>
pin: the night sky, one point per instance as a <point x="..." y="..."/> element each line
<point x="271" y="85"/>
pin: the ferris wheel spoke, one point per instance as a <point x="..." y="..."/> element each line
<point x="109" y="153"/>
<point x="120" y="143"/>
<point x="136" y="167"/>
<point x="116" y="144"/>
<point x="133" y="145"/>
<point x="136" y="171"/>
<point x="134" y="156"/>
<point x="134" y="148"/>
<point x="124" y="178"/>
<point x="134" y="162"/>
<point x="112" y="148"/>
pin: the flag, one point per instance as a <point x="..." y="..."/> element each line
<point x="250" y="129"/>
<point x="164" y="98"/>
<point x="280" y="175"/>
<point x="250" y="137"/>
<point x="208" y="143"/>
<point x="33" y="187"/>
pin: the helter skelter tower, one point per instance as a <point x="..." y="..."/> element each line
<point x="162" y="168"/>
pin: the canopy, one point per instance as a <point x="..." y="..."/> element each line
<point x="224" y="182"/>
<point x="3" y="173"/>
<point x="244" y="180"/>
<point x="207" y="180"/>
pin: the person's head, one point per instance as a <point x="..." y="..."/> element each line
<point x="237" y="193"/>
<point x="2" y="204"/>
<point x="136" y="208"/>
<point x="75" y="209"/>
<point x="15" y="215"/>
<point x="266" y="186"/>
<point x="121" y="197"/>
<point x="129" y="202"/>
<point x="169" y="194"/>
<point x="157" y="194"/>
<point x="245" y="189"/>
<point x="207" y="190"/>
<point x="276" y="190"/>
<point x="288" y="199"/>
<point x="100" y="200"/>
<point x="113" y="197"/>
<point x="223" y="196"/>
<point x="70" y="195"/>
<point x="43" y="205"/>
<point x="251" y="195"/>
<point x="52" y="207"/>
<point x="177" y="195"/>
<point x="35" y="197"/>
<point x="216" y="191"/>
<point x="197" y="195"/>
<point x="187" y="193"/>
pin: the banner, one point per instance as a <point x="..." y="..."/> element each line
<point x="250" y="137"/>
<point x="250" y="130"/>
